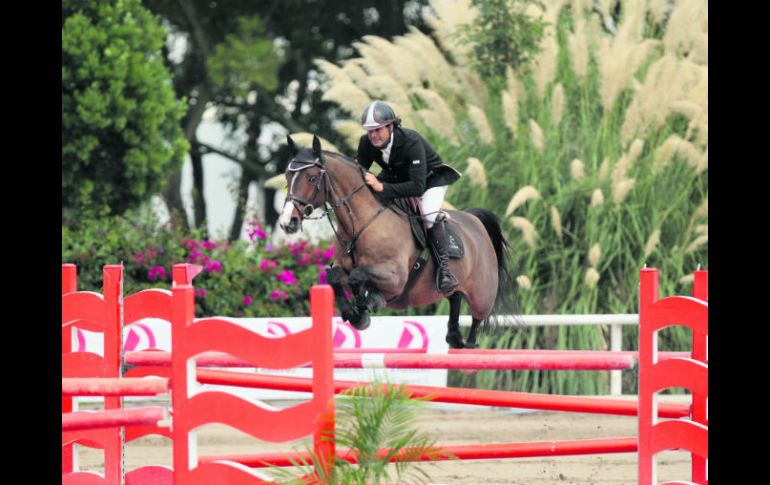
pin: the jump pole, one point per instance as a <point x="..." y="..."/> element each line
<point x="82" y="420"/>
<point x="106" y="386"/>
<point x="481" y="397"/>
<point x="418" y="361"/>
<point x="487" y="451"/>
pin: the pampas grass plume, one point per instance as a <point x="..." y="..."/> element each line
<point x="527" y="229"/>
<point x="597" y="198"/>
<point x="352" y="132"/>
<point x="576" y="169"/>
<point x="698" y="242"/>
<point x="511" y="112"/>
<point x="621" y="189"/>
<point x="594" y="254"/>
<point x="537" y="136"/>
<point x="652" y="242"/>
<point x="476" y="172"/>
<point x="687" y="279"/>
<point x="665" y="151"/>
<point x="557" y="103"/>
<point x="591" y="277"/>
<point x="556" y="222"/>
<point x="522" y="195"/>
<point x="703" y="209"/>
<point x="481" y="123"/>
<point x="604" y="169"/>
<point x="524" y="282"/>
<point x="636" y="149"/>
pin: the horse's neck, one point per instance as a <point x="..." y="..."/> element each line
<point x="361" y="207"/>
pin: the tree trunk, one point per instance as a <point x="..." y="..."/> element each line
<point x="240" y="207"/>
<point x="199" y="201"/>
<point x="172" y="195"/>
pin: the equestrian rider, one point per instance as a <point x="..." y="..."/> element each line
<point x="410" y="168"/>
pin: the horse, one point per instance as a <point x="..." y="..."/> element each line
<point x="375" y="252"/>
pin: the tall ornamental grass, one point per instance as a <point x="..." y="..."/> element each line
<point x="595" y="158"/>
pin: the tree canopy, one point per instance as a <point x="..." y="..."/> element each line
<point x="254" y="63"/>
<point x="121" y="133"/>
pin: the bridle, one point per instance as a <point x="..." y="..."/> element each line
<point x="327" y="179"/>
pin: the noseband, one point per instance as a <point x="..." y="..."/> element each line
<point x="298" y="166"/>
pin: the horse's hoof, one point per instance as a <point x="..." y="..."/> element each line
<point x="350" y="316"/>
<point x="361" y="323"/>
<point x="455" y="342"/>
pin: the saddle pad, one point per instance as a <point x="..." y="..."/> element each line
<point x="456" y="249"/>
<point x="411" y="206"/>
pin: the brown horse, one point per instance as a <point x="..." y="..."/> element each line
<point x="375" y="251"/>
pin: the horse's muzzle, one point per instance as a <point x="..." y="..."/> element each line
<point x="292" y="226"/>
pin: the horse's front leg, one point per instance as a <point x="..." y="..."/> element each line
<point x="338" y="279"/>
<point x="365" y="283"/>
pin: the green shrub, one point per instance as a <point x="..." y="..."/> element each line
<point x="240" y="279"/>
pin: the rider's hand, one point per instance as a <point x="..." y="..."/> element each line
<point x="372" y="181"/>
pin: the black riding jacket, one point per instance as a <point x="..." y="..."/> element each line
<point x="413" y="166"/>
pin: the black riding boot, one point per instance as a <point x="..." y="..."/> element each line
<point x="445" y="280"/>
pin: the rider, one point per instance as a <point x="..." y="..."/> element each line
<point x="410" y="168"/>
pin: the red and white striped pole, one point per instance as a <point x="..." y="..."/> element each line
<point x="113" y="418"/>
<point x="546" y="361"/>
<point x="489" y="451"/>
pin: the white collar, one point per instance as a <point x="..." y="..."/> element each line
<point x="386" y="150"/>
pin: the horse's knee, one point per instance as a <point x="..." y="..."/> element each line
<point x="357" y="278"/>
<point x="334" y="277"/>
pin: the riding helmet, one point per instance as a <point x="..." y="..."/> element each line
<point x="376" y="115"/>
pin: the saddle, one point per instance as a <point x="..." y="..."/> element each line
<point x="412" y="207"/>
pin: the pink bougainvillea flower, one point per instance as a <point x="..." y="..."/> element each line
<point x="329" y="253"/>
<point x="287" y="276"/>
<point x="156" y="272"/>
<point x="257" y="232"/>
<point x="304" y="259"/>
<point x="322" y="277"/>
<point x="247" y="300"/>
<point x="214" y="266"/>
<point x="279" y="295"/>
<point x="200" y="292"/>
<point x="268" y="265"/>
<point x="297" y="247"/>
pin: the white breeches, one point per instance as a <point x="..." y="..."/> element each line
<point x="431" y="201"/>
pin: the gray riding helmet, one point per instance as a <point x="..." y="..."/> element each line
<point x="376" y="115"/>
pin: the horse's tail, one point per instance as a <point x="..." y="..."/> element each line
<point x="505" y="303"/>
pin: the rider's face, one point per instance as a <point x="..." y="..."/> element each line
<point x="380" y="136"/>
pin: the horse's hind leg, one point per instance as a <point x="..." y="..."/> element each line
<point x="453" y="336"/>
<point x="471" y="342"/>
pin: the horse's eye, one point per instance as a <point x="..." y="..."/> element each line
<point x="313" y="178"/>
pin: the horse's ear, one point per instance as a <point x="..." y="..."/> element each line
<point x="293" y="150"/>
<point x="316" y="146"/>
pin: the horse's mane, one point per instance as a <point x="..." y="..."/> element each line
<point x="341" y="157"/>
